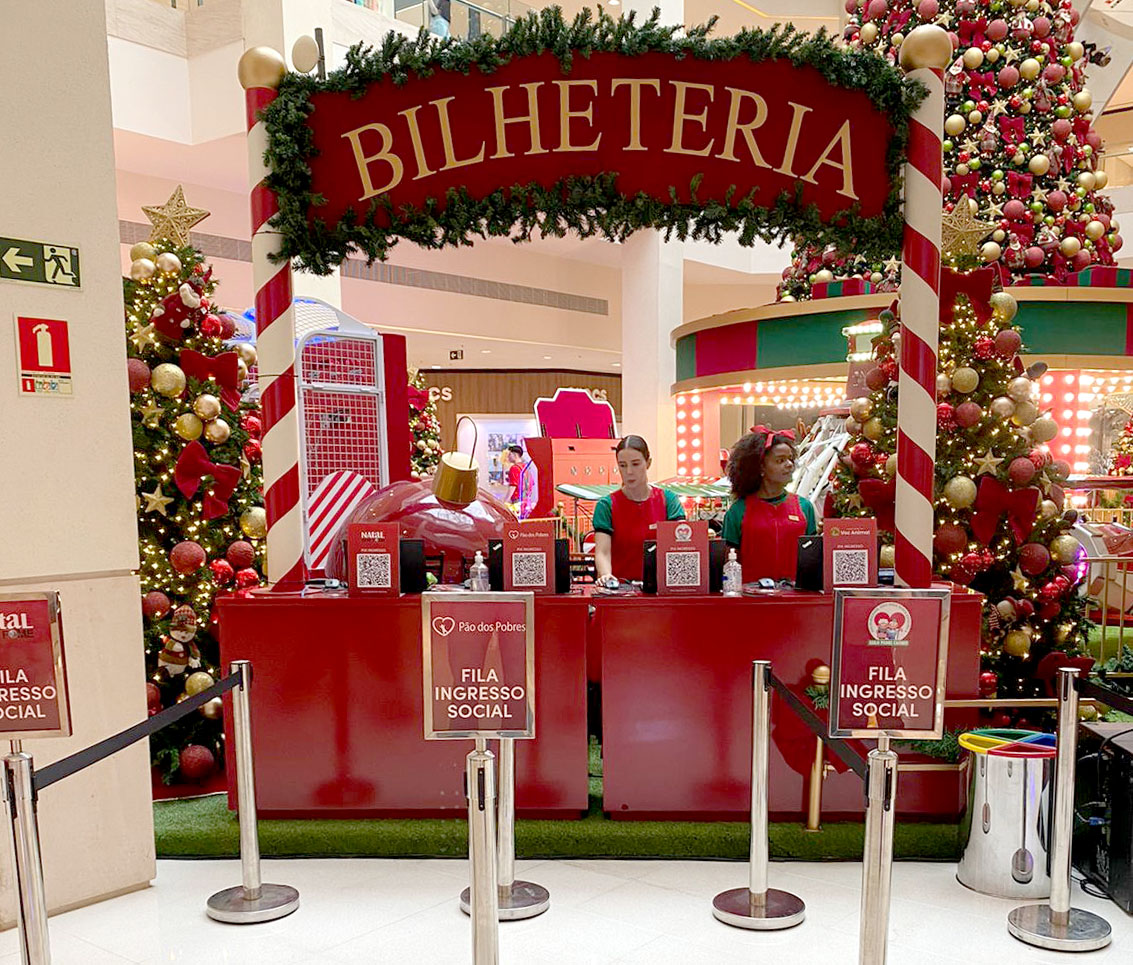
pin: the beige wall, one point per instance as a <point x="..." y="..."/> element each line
<point x="67" y="508"/>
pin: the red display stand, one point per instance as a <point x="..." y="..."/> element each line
<point x="676" y="705"/>
<point x="337" y="709"/>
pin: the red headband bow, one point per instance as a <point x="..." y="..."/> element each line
<point x="770" y="434"/>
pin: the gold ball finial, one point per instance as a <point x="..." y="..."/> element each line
<point x="261" y="67"/>
<point x="927" y="46"/>
<point x="821" y="676"/>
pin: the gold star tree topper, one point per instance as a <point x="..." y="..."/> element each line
<point x="172" y="221"/>
<point x="961" y="233"/>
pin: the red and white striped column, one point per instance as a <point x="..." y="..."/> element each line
<point x="924" y="55"/>
<point x="261" y="69"/>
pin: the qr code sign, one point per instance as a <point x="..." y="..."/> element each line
<point x="851" y="568"/>
<point x="682" y="569"/>
<point x="374" y="571"/>
<point x="528" y="569"/>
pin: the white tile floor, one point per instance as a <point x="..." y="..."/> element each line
<point x="404" y="912"/>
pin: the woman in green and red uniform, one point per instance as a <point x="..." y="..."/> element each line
<point x="625" y="519"/>
<point x="765" y="521"/>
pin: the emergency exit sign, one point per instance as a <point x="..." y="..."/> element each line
<point x="43" y="353"/>
<point x="39" y="262"/>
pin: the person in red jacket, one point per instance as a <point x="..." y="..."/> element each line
<point x="765" y="521"/>
<point x="625" y="519"/>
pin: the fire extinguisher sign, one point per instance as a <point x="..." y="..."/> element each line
<point x="43" y="351"/>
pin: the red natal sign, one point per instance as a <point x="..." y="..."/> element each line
<point x="44" y="356"/>
<point x="890" y="652"/>
<point x="33" y="677"/>
<point x="373" y="551"/>
<point x="479" y="665"/>
<point x="742" y="128"/>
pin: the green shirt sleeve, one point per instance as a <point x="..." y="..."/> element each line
<point x="734" y="524"/>
<point x="604" y="516"/>
<point x="673" y="507"/>
<point x="811" y="517"/>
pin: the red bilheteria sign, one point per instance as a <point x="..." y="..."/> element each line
<point x="33" y="673"/>
<point x="682" y="557"/>
<point x="849" y="549"/>
<point x="43" y="356"/>
<point x="374" y="554"/>
<point x="889" y="662"/>
<point x="529" y="556"/>
<point x="478" y="652"/>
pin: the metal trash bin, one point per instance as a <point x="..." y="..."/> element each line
<point x="1005" y="833"/>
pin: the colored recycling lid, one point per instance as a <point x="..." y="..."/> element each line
<point x="988" y="739"/>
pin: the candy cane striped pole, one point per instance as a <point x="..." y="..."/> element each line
<point x="924" y="55"/>
<point x="260" y="70"/>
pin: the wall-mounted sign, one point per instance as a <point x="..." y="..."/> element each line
<point x="373" y="553"/>
<point x="529" y="556"/>
<point x="682" y="557"/>
<point x="478" y="653"/>
<point x="43" y="354"/>
<point x="39" y="262"/>
<point x="889" y="663"/>
<point x="33" y="670"/>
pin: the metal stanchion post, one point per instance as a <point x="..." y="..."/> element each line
<point x="877" y="857"/>
<point x="484" y="892"/>
<point x="757" y="906"/>
<point x="19" y="793"/>
<point x="517" y="899"/>
<point x="252" y="901"/>
<point x="1056" y="925"/>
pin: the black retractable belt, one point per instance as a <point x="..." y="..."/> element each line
<point x="841" y="749"/>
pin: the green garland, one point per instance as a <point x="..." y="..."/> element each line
<point x="585" y="205"/>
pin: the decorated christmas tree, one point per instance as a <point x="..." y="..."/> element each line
<point x="201" y="519"/>
<point x="425" y="444"/>
<point x="1121" y="455"/>
<point x="1019" y="144"/>
<point x="1000" y="526"/>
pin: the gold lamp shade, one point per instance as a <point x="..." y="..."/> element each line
<point x="457" y="477"/>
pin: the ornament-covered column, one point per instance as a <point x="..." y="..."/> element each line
<point x="924" y="55"/>
<point x="260" y="70"/>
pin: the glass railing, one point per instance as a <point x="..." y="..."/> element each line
<point x="462" y="19"/>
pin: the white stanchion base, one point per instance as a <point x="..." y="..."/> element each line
<point x="230" y="905"/>
<point x="778" y="909"/>
<point x="1084" y="932"/>
<point x="524" y="899"/>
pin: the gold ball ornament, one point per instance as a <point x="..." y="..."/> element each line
<point x="1087" y="180"/>
<point x="1004" y="305"/>
<point x="891" y="465"/>
<point x="1029" y="69"/>
<point x="873" y="429"/>
<point x="1020" y="389"/>
<point x="823" y="275"/>
<point x="868" y="33"/>
<point x="954" y="125"/>
<point x="927" y="46"/>
<point x="973" y="57"/>
<point x="1087" y="712"/>
<point x="960" y="492"/>
<point x="1026" y="412"/>
<point x="965" y="379"/>
<point x="943" y="384"/>
<point x="142" y="269"/>
<point x="999" y="235"/>
<point x="241" y="370"/>
<point x="1044" y="429"/>
<point x="207" y="406"/>
<point x="1064" y="549"/>
<point x="305" y="54"/>
<point x="852" y="426"/>
<point x="1082" y="101"/>
<point x="1101" y="179"/>
<point x="261" y="67"/>
<point x="820" y="676"/>
<point x="254" y="522"/>
<point x="168" y="380"/>
<point x="188" y="426"/>
<point x="247" y="353"/>
<point x="887" y="557"/>
<point x="1076" y="49"/>
<point x="1002" y="407"/>
<point x="1039" y="164"/>
<point x="991" y="251"/>
<point x="1070" y="246"/>
<point x="1063" y="632"/>
<point x="1048" y="509"/>
<point x="1017" y="643"/>
<point x="197" y="682"/>
<point x="214" y="709"/>
<point x="217" y="431"/>
<point x="861" y="408"/>
<point x="1094" y="230"/>
<point x="167" y="261"/>
<point x="143" y="249"/>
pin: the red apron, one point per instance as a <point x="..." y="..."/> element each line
<point x="769" y="538"/>
<point x="634" y="523"/>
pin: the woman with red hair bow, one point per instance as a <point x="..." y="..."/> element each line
<point x="765" y="521"/>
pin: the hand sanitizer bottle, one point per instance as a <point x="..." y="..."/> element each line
<point x="478" y="574"/>
<point x="733" y="575"/>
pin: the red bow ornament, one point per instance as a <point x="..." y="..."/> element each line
<point x="418" y="398"/>
<point x="881" y="497"/>
<point x="972" y="32"/>
<point x="223" y="369"/>
<point x="963" y="185"/>
<point x="192" y="466"/>
<point x="994" y="501"/>
<point x="976" y="285"/>
<point x="1019" y="185"/>
<point x="981" y="84"/>
<point x="1012" y="129"/>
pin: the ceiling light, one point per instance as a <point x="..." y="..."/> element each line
<point x="485" y="351"/>
<point x="546" y="356"/>
<point x="616" y="365"/>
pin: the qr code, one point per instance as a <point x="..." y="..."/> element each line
<point x="851" y="568"/>
<point x="682" y="569"/>
<point x="528" y="569"/>
<point x="374" y="571"/>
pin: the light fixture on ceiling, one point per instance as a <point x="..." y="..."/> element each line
<point x="616" y="365"/>
<point x="485" y="351"/>
<point x="546" y="358"/>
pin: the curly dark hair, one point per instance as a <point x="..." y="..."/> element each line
<point x="745" y="463"/>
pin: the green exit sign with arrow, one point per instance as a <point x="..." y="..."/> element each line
<point x="39" y="262"/>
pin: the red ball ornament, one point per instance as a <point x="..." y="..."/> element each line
<point x="197" y="762"/>
<point x="950" y="538"/>
<point x="881" y="459"/>
<point x="890" y="368"/>
<point x="876" y="378"/>
<point x="984" y="347"/>
<point x="1000" y="719"/>
<point x="946" y="416"/>
<point x="155" y="605"/>
<point x="1033" y="256"/>
<point x="253" y="450"/>
<point x="241" y="554"/>
<point x="247" y="578"/>
<point x="153" y="698"/>
<point x="211" y="326"/>
<point x="989" y="683"/>
<point x="1034" y="558"/>
<point x="1021" y="471"/>
<point x="1048" y="611"/>
<point x="1014" y="210"/>
<point x="962" y="574"/>
<point x="1025" y="609"/>
<point x="968" y="414"/>
<point x="1039" y="458"/>
<point x="1048" y="592"/>
<point x="1060" y="468"/>
<point x="222" y="572"/>
<point x="253" y="425"/>
<point x="138" y="374"/>
<point x="1062" y="583"/>
<point x="187" y="557"/>
<point x="997" y="30"/>
<point x="1007" y="343"/>
<point x="862" y="454"/>
<point x="1082" y="259"/>
<point x="987" y="559"/>
<point x="1008" y="76"/>
<point x="972" y="561"/>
